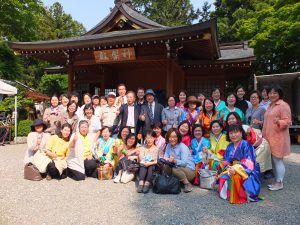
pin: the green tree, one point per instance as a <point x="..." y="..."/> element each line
<point x="168" y="12"/>
<point x="205" y="13"/>
<point x="53" y="84"/>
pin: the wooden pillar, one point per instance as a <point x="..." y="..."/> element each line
<point x="170" y="78"/>
<point x="70" y="78"/>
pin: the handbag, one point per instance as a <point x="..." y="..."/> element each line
<point x="105" y="173"/>
<point x="41" y="161"/>
<point x="133" y="167"/>
<point x="208" y="178"/>
<point x="166" y="184"/>
<point x="127" y="177"/>
<point x="32" y="173"/>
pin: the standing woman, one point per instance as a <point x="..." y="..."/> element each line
<point x="216" y="95"/>
<point x="148" y="156"/>
<point x="276" y="132"/>
<point x="265" y="102"/>
<point x="192" y="114"/>
<point x="64" y="100"/>
<point x="52" y="115"/>
<point x="160" y="142"/>
<point x="182" y="100"/>
<point x="219" y="143"/>
<point x="93" y="121"/>
<point x="208" y="114"/>
<point x="70" y="117"/>
<point x="231" y="99"/>
<point x="36" y="140"/>
<point x="185" y="131"/>
<point x="178" y="154"/>
<point x="201" y="98"/>
<point x="96" y="105"/>
<point x="200" y="146"/>
<point x="57" y="149"/>
<point x="86" y="101"/>
<point x="170" y="115"/>
<point x="255" y="114"/>
<point x="103" y="101"/>
<point x="80" y="161"/>
<point x="239" y="182"/>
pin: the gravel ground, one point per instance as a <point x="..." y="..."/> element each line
<point x="94" y="202"/>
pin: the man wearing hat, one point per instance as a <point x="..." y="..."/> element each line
<point x="151" y="112"/>
<point x="109" y="114"/>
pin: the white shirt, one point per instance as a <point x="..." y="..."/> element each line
<point x="130" y="118"/>
<point x="97" y="111"/>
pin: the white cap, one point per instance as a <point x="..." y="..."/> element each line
<point x="111" y="94"/>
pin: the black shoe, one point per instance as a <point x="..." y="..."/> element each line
<point x="268" y="175"/>
<point x="140" y="189"/>
<point x="146" y="189"/>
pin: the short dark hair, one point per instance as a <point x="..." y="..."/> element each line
<point x="157" y="125"/>
<point x="104" y="128"/>
<point x="88" y="106"/>
<point x="120" y="85"/>
<point x="213" y="109"/>
<point x="62" y="127"/>
<point x="151" y="133"/>
<point x="214" y="89"/>
<point x="187" y="122"/>
<point x="140" y="88"/>
<point x="255" y="92"/>
<point x="170" y="131"/>
<point x="103" y="97"/>
<point x="228" y="94"/>
<point x="130" y="135"/>
<point x="277" y="88"/>
<point x="218" y="122"/>
<point x="236" y="115"/>
<point x="54" y="96"/>
<point x="83" y="122"/>
<point x="131" y="92"/>
<point x="70" y="103"/>
<point x="236" y="127"/>
<point x="63" y="95"/>
<point x="239" y="87"/>
<point x="75" y="94"/>
<point x="267" y="88"/>
<point x="197" y="126"/>
<point x="120" y="131"/>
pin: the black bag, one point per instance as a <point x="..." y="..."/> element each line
<point x="133" y="167"/>
<point x="165" y="184"/>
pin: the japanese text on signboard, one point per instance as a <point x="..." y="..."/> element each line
<point x="114" y="55"/>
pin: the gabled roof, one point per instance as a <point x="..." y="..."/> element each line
<point x="129" y="13"/>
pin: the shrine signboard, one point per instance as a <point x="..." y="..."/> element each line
<point x="114" y="55"/>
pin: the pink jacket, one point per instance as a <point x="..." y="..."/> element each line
<point x="278" y="134"/>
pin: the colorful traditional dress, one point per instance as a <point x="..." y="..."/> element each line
<point x="101" y="151"/>
<point x="226" y="111"/>
<point x="206" y="119"/>
<point x="220" y="105"/>
<point x="217" y="150"/>
<point x="191" y="119"/>
<point x="198" y="154"/>
<point x="244" y="185"/>
<point x="187" y="140"/>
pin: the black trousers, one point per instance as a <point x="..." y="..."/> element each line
<point x="75" y="175"/>
<point x="145" y="173"/>
<point x="90" y="167"/>
<point x="53" y="171"/>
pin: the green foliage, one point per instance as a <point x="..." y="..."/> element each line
<point x="168" y="12"/>
<point x="205" y="13"/>
<point x="23" y="128"/>
<point x="54" y="84"/>
<point x="10" y="64"/>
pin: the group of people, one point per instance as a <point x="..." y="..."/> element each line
<point x="238" y="139"/>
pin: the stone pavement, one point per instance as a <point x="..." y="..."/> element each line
<point x="94" y="202"/>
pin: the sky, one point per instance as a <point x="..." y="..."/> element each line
<point x="91" y="12"/>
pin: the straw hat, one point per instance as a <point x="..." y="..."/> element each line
<point x="192" y="99"/>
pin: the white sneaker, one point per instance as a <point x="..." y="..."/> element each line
<point x="276" y="187"/>
<point x="117" y="179"/>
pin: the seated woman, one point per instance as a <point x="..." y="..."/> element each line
<point x="104" y="146"/>
<point x="199" y="146"/>
<point x="160" y="142"/>
<point x="80" y="161"/>
<point x="148" y="159"/>
<point x="239" y="182"/>
<point x="52" y="115"/>
<point x="36" y="140"/>
<point x="184" y="129"/>
<point x="94" y="122"/>
<point x="118" y="147"/>
<point x="57" y="149"/>
<point x="208" y="114"/>
<point x="129" y="153"/>
<point x="69" y="116"/>
<point x="254" y="137"/>
<point x="179" y="154"/>
<point x="219" y="143"/>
